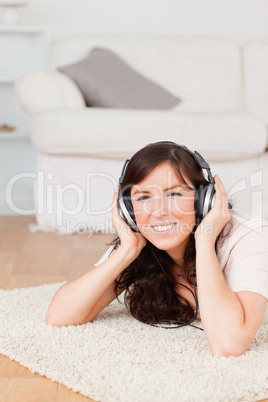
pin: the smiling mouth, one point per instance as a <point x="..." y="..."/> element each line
<point x="163" y="228"/>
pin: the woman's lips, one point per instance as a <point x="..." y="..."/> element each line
<point x="166" y="228"/>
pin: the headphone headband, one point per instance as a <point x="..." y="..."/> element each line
<point x="124" y="171"/>
<point x="196" y="155"/>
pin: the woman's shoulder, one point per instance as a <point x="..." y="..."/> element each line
<point x="241" y="225"/>
<point x="242" y="233"/>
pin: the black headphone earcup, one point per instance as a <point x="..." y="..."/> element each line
<point x="199" y="198"/>
<point x="129" y="207"/>
<point x="204" y="199"/>
<point x="126" y="210"/>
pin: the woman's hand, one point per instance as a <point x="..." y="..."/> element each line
<point x="213" y="223"/>
<point x="130" y="240"/>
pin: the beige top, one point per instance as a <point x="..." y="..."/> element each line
<point x="242" y="254"/>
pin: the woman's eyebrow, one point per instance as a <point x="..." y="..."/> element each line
<point x="186" y="186"/>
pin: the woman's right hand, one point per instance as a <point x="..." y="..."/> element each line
<point x="134" y="242"/>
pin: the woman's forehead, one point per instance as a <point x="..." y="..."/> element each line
<point x="164" y="175"/>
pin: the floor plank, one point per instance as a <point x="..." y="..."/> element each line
<point x="45" y="252"/>
<point x="14" y="223"/>
<point x="13" y="241"/>
<point x="27" y="389"/>
<point x="7" y="262"/>
<point x="11" y="369"/>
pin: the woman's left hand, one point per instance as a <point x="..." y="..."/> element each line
<point x="213" y="223"/>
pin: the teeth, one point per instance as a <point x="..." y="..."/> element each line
<point x="163" y="228"/>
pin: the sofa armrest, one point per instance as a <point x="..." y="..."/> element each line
<point x="41" y="90"/>
<point x="255" y="54"/>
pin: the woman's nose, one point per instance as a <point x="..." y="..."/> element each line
<point x="159" y="207"/>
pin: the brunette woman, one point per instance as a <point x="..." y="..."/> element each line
<point x="176" y="264"/>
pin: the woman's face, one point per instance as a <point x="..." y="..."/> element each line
<point x="164" y="209"/>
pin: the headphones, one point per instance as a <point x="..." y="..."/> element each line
<point x="204" y="193"/>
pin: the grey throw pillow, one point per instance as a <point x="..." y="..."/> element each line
<point x="106" y="80"/>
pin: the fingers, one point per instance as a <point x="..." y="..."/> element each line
<point x="115" y="210"/>
<point x="221" y="198"/>
<point x="118" y="222"/>
<point x="115" y="197"/>
<point x="221" y="193"/>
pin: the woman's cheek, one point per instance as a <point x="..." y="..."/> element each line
<point x="183" y="207"/>
<point x="140" y="214"/>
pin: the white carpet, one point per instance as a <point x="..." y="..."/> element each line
<point x="117" y="358"/>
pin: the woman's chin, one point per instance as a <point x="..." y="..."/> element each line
<point x="166" y="244"/>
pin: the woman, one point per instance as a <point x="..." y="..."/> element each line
<point x="174" y="265"/>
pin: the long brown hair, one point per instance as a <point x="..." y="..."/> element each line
<point x="150" y="295"/>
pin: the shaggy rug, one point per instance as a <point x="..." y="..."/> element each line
<point x="117" y="358"/>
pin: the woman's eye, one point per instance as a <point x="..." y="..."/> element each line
<point x="143" y="198"/>
<point x="174" y="194"/>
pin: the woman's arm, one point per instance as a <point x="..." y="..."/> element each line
<point x="81" y="299"/>
<point x="230" y="319"/>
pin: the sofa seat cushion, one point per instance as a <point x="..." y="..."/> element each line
<point x="118" y="133"/>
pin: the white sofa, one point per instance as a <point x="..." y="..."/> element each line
<point x="81" y="150"/>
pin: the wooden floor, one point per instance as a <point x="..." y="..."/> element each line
<point x="31" y="259"/>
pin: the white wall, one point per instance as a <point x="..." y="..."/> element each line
<point x="17" y="164"/>
<point x="240" y="19"/>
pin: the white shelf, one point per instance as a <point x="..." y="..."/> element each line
<point x="13" y="135"/>
<point x="22" y="49"/>
<point x="23" y="29"/>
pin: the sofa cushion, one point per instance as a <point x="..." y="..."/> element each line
<point x="202" y="70"/>
<point x="217" y="136"/>
<point x="107" y="81"/>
